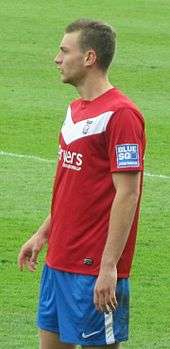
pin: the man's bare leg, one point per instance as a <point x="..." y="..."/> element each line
<point x="49" y="340"/>
<point x="111" y="346"/>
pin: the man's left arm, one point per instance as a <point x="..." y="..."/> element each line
<point x="127" y="185"/>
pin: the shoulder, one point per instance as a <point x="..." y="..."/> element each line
<point x="121" y="101"/>
<point x="126" y="118"/>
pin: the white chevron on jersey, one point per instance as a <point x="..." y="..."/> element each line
<point x="73" y="131"/>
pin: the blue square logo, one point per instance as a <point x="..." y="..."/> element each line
<point x="127" y="155"/>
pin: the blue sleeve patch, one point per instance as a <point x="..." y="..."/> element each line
<point x="127" y="155"/>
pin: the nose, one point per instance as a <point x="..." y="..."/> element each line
<point x="58" y="59"/>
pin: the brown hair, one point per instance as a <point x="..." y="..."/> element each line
<point x="98" y="36"/>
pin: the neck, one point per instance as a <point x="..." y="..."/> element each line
<point x="93" y="86"/>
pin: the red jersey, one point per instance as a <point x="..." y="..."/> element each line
<point x="98" y="137"/>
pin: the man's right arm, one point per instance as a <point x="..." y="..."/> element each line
<point x="29" y="251"/>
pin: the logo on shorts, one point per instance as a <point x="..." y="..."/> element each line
<point x="84" y="335"/>
<point x="127" y="155"/>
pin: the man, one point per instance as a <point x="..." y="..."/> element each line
<point x="91" y="230"/>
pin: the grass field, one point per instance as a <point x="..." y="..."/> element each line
<point x="33" y="104"/>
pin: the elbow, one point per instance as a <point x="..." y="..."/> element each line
<point x="129" y="196"/>
<point x="134" y="197"/>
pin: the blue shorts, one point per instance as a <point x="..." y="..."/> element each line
<point x="66" y="308"/>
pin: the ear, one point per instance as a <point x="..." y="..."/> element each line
<point x="90" y="58"/>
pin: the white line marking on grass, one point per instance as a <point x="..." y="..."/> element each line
<point x="156" y="175"/>
<point x="37" y="158"/>
<point x="32" y="157"/>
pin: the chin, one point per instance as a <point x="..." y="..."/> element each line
<point x="68" y="81"/>
<point x="64" y="79"/>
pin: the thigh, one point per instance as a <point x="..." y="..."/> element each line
<point x="81" y="323"/>
<point x="49" y="340"/>
<point x="72" y="315"/>
<point x="107" y="330"/>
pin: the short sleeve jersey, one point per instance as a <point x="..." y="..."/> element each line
<point x="98" y="138"/>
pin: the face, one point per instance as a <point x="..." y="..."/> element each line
<point x="70" y="60"/>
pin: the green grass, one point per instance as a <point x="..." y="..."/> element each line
<point x="33" y="104"/>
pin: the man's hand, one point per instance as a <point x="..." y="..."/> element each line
<point x="29" y="252"/>
<point x="105" y="291"/>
